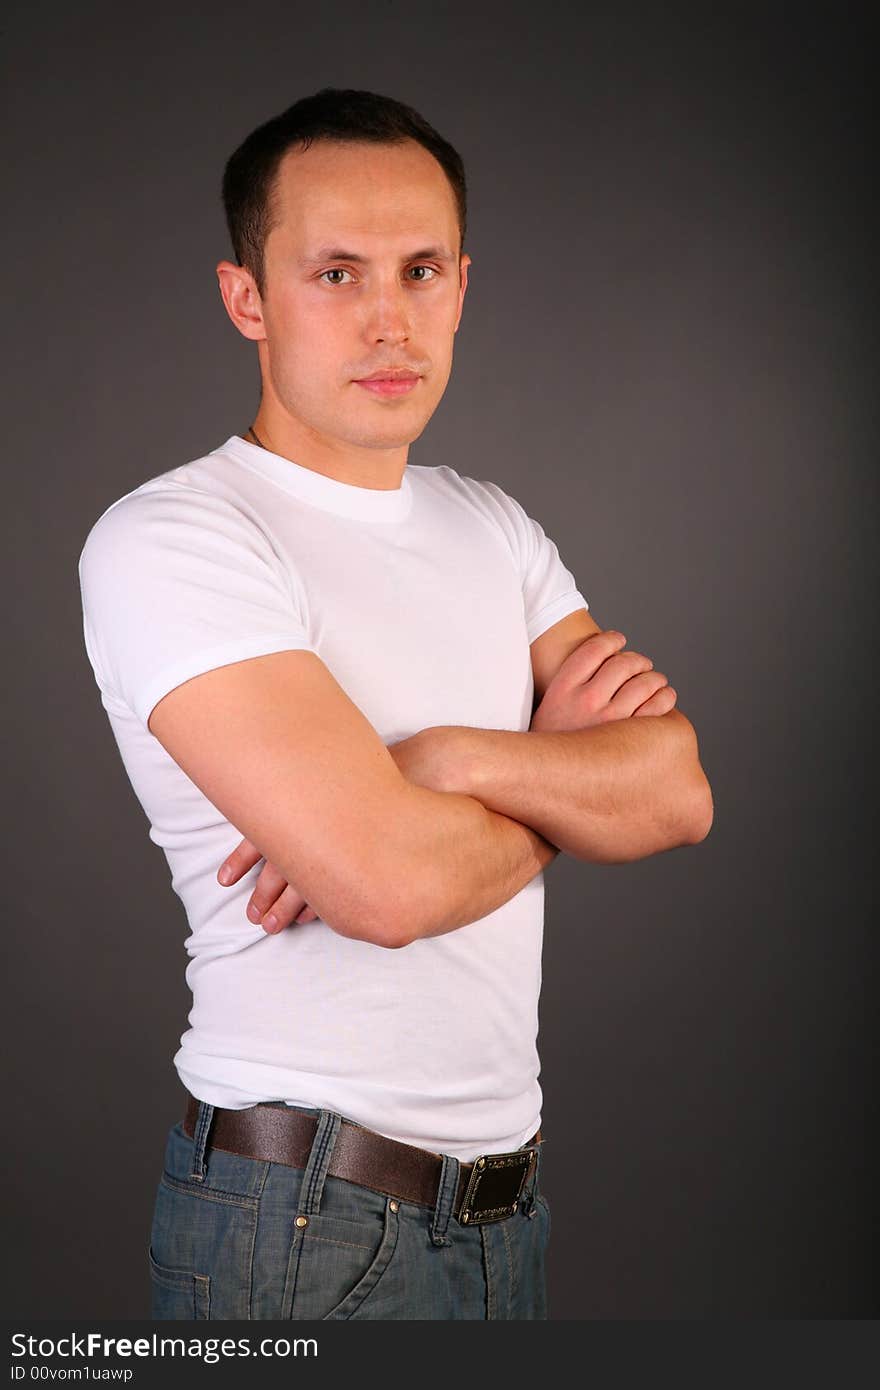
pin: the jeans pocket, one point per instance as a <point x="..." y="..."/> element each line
<point x="204" y="1235"/>
<point x="336" y="1262"/>
<point x="178" y="1294"/>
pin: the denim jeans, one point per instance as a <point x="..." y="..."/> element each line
<point x="244" y="1238"/>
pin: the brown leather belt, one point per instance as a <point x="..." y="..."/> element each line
<point x="279" y="1133"/>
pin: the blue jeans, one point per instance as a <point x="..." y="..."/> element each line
<point x="242" y="1238"/>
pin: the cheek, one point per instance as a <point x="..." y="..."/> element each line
<point x="442" y="326"/>
<point x="307" y="348"/>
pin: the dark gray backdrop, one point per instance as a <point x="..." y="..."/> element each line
<point x="666" y="354"/>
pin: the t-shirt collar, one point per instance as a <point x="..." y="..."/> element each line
<point x="331" y="495"/>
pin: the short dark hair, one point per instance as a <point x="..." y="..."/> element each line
<point x="334" y="113"/>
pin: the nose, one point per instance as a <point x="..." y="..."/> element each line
<point x="387" y="318"/>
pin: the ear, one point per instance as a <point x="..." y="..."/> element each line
<point x="464" y="263"/>
<point x="242" y="299"/>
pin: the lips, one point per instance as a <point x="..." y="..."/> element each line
<point x="391" y="374"/>
<point x="388" y="383"/>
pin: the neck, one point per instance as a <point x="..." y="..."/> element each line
<point x="380" y="470"/>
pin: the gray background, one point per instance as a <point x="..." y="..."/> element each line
<point x="666" y="355"/>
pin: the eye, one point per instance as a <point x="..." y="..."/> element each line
<point x="336" y="270"/>
<point x="421" y="280"/>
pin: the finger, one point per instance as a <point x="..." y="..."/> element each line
<point x="583" y="663"/>
<point x="308" y="914"/>
<point x="267" y="889"/>
<point x="661" y="703"/>
<point x="243" y="857"/>
<point x="633" y="693"/>
<point x="283" y="911"/>
<point x="613" y="673"/>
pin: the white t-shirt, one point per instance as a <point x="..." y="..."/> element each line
<point x="422" y="602"/>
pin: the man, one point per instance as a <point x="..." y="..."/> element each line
<point x="384" y="678"/>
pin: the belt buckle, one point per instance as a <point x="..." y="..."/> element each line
<point x="495" y="1187"/>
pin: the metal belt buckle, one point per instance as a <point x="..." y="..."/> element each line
<point x="495" y="1187"/>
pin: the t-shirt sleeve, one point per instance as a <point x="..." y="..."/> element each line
<point x="175" y="582"/>
<point x="549" y="589"/>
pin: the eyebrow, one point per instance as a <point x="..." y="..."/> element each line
<point x="335" y="253"/>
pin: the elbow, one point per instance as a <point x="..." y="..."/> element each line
<point x="395" y="891"/>
<point x="408" y="892"/>
<point x="368" y="897"/>
<point x="700" y="810"/>
<point x="401" y="920"/>
<point x="391" y="922"/>
<point x="407" y="912"/>
<point x="701" y="813"/>
<point x="389" y="936"/>
<point x="381" y="931"/>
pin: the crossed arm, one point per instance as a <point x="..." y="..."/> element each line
<point x="604" y="794"/>
<point x="588" y="778"/>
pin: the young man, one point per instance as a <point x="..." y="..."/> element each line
<point x="384" y="677"/>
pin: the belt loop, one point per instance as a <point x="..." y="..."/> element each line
<point x="446" y="1195"/>
<point x="312" y="1188"/>
<point x="531" y="1196"/>
<point x="200" y="1140"/>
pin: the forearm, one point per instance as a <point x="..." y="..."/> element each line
<point x="604" y="794"/>
<point x="463" y="861"/>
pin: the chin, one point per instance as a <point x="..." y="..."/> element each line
<point x="396" y="434"/>
<point x="387" y="441"/>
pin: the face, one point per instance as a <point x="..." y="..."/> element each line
<point x="362" y="272"/>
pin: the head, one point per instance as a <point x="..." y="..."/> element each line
<point x="347" y="217"/>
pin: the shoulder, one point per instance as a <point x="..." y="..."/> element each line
<point x="179" y="511"/>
